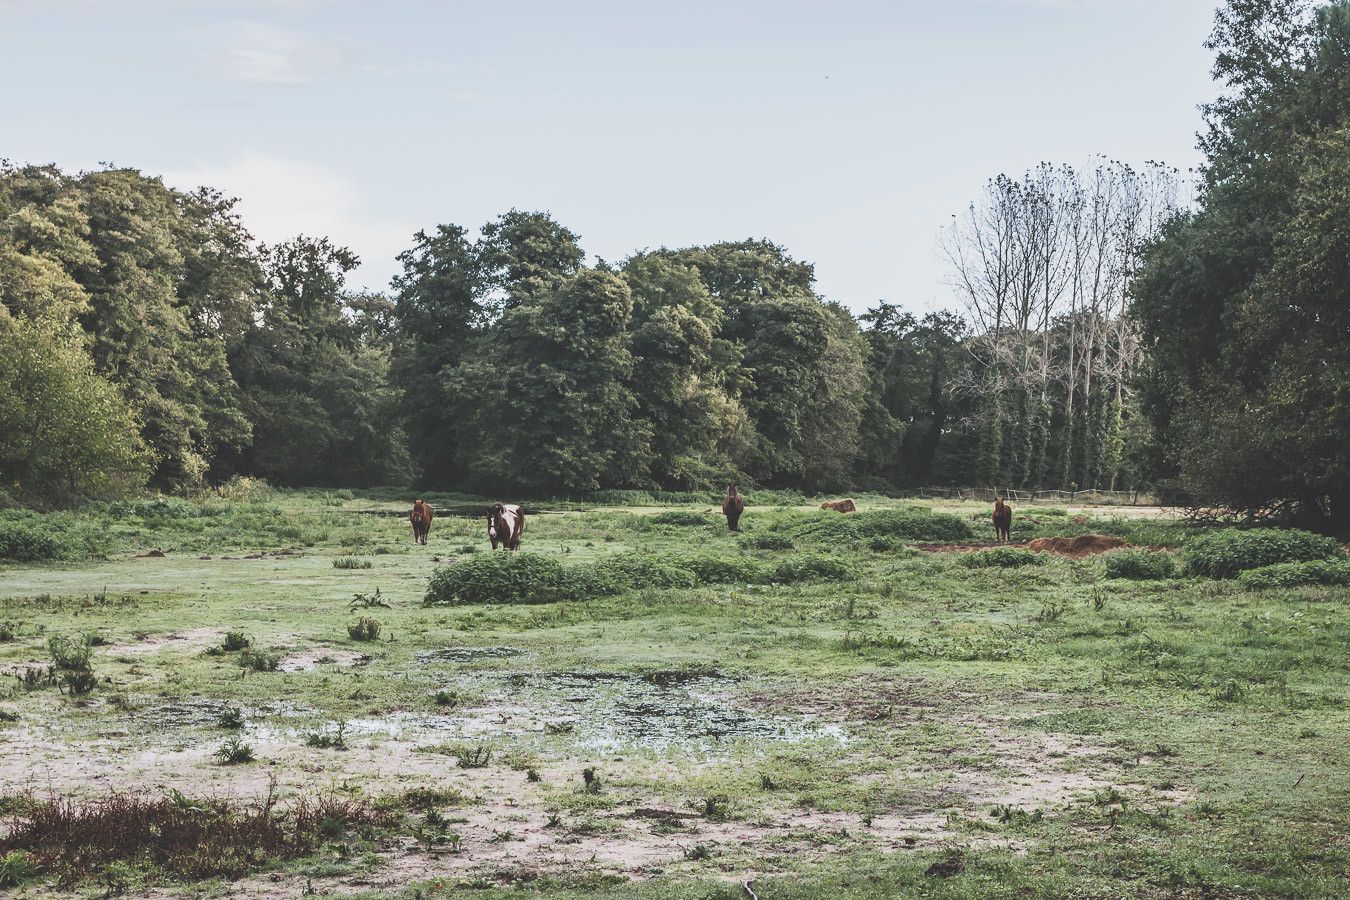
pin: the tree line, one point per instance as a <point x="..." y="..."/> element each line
<point x="1112" y="334"/>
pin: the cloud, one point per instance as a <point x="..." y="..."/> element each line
<point x="281" y="198"/>
<point x="259" y="53"/>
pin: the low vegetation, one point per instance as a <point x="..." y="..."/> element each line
<point x="809" y="665"/>
<point x="1140" y="565"/>
<point x="70" y="839"/>
<point x="1229" y="551"/>
<point x="1002" y="558"/>
<point x="1296" y="574"/>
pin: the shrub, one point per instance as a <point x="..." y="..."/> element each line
<point x="70" y="654"/>
<point x="913" y="524"/>
<point x="235" y="641"/>
<point x="364" y="629"/>
<point x="259" y="660"/>
<point x="16" y="867"/>
<point x="246" y="488"/>
<point x="351" y="562"/>
<point x="22" y="542"/>
<point x="1002" y="558"/>
<point x="497" y="578"/>
<point x="910" y="524"/>
<point x="233" y="752"/>
<point x="769" y="541"/>
<point x="73" y="838"/>
<point x="1224" y="554"/>
<point x="811" y="567"/>
<point x="631" y="570"/>
<point x="1294" y="574"/>
<point x="79" y="682"/>
<point x="680" y="517"/>
<point x="231" y="718"/>
<point x="711" y="568"/>
<point x="1140" y="565"/>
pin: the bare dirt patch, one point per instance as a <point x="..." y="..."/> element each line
<point x="308" y="660"/>
<point x="193" y="639"/>
<point x="1077" y="547"/>
<point x="1073" y="547"/>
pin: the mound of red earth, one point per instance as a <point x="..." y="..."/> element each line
<point x="1077" y="547"/>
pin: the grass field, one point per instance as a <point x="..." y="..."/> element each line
<point x="897" y="721"/>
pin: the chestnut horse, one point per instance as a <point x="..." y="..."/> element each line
<point x="506" y="523"/>
<point x="733" y="504"/>
<point x="1002" y="520"/>
<point x="421" y="517"/>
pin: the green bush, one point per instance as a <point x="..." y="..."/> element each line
<point x="1002" y="558"/>
<point x="681" y="518"/>
<point x="24" y="542"/>
<point x="769" y="541"/>
<point x="497" y="578"/>
<point x="912" y="524"/>
<point x="811" y="567"/>
<point x="633" y="570"/>
<point x="1140" y="565"/>
<point x="526" y="578"/>
<point x="710" y="568"/>
<point x="1224" y="554"/>
<point x="1294" y="574"/>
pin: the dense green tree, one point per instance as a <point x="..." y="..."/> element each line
<point x="1245" y="303"/>
<point x="66" y="434"/>
<point x="678" y="387"/>
<point x="545" y="402"/>
<point x="521" y="254"/>
<point x="314" y="372"/>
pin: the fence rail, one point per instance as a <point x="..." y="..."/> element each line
<point x="1089" y="495"/>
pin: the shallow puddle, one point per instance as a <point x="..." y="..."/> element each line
<point x="594" y="712"/>
<point x="682" y="711"/>
<point x="467" y="654"/>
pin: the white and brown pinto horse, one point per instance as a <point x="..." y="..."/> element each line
<point x="421" y="517"/>
<point x="506" y="523"/>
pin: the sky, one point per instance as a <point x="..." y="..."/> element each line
<point x="849" y="131"/>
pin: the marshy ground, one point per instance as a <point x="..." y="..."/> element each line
<point x="922" y="725"/>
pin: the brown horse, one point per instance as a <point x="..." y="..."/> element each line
<point x="421" y="517"/>
<point x="506" y="523"/>
<point x="733" y="504"/>
<point x="1002" y="520"/>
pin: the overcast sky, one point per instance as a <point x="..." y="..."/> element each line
<point x="849" y="131"/>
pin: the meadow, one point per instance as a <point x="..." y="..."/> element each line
<point x="278" y="693"/>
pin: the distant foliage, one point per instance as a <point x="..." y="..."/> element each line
<point x="1224" y="554"/>
<point x="1140" y="565"/>
<point x="247" y="488"/>
<point x="1002" y="558"/>
<point x="912" y="524"/>
<point x="680" y="517"/>
<point x="1296" y="574"/>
